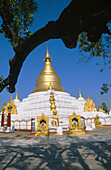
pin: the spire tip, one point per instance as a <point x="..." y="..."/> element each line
<point x="47" y="57"/>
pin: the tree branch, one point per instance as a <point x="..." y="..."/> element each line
<point x="14" y="37"/>
<point x="1" y="31"/>
<point x="23" y="50"/>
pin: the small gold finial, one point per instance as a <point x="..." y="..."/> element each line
<point x="47" y="57"/>
<point x="80" y="95"/>
<point x="100" y="109"/>
<point x="16" y="97"/>
<point x="87" y="97"/>
<point x="11" y="98"/>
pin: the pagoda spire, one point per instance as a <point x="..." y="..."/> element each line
<point x="47" y="57"/>
<point x="80" y="95"/>
<point x="48" y="77"/>
<point x="16" y="97"/>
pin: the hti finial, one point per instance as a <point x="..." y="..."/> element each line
<point x="87" y="97"/>
<point x="16" y="97"/>
<point x="47" y="57"/>
<point x="47" y="45"/>
<point x="80" y="95"/>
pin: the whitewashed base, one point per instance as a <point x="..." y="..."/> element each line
<point x="59" y="130"/>
<point x="88" y="127"/>
<point x="9" y="129"/>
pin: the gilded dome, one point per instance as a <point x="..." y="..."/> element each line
<point x="48" y="77"/>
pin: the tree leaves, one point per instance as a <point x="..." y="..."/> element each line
<point x="104" y="89"/>
<point x="1" y="78"/>
<point x="101" y="49"/>
<point x="19" y="15"/>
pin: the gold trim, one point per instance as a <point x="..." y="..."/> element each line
<point x="61" y="90"/>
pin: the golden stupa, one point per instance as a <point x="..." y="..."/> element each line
<point x="48" y="77"/>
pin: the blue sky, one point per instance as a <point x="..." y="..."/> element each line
<point x="85" y="77"/>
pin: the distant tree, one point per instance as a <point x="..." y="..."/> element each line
<point x="79" y="16"/>
<point x="100" y="49"/>
<point x="105" y="88"/>
<point x="105" y="109"/>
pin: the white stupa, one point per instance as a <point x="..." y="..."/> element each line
<point x="49" y="97"/>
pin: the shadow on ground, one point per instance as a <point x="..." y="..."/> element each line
<point x="56" y="153"/>
<point x="86" y="156"/>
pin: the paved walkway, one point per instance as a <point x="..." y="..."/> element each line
<point x="90" y="151"/>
